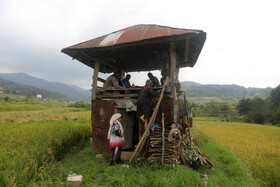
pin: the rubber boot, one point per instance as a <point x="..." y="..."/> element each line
<point x="112" y="158"/>
<point x="118" y="160"/>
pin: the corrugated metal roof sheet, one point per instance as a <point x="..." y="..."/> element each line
<point x="133" y="34"/>
<point x="124" y="49"/>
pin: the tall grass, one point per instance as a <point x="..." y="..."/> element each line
<point x="27" y="147"/>
<point x="257" y="144"/>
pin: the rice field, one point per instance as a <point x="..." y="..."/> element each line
<point x="259" y="145"/>
<point x="22" y="109"/>
<point x="36" y="137"/>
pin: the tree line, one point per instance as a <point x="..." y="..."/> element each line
<point x="258" y="110"/>
<point x="251" y="110"/>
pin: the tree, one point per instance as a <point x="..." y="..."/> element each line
<point x="243" y="106"/>
<point x="275" y="96"/>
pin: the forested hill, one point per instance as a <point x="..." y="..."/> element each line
<point x="16" y="88"/>
<point x="225" y="92"/>
<point x="70" y="91"/>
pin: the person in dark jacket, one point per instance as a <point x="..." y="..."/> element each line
<point x="144" y="108"/>
<point x="155" y="82"/>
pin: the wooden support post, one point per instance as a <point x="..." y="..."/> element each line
<point x="94" y="79"/>
<point x="173" y="73"/>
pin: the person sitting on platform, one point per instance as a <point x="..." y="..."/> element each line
<point x="112" y="82"/>
<point x="126" y="82"/>
<point x="155" y="82"/>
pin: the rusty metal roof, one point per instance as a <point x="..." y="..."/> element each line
<point x="139" y="48"/>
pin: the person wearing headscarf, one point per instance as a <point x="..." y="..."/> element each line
<point x="116" y="137"/>
<point x="144" y="107"/>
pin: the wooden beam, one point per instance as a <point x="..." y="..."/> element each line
<point x="100" y="79"/>
<point x="173" y="74"/>
<point x="94" y="79"/>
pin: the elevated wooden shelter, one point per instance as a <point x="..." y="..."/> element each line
<point x="134" y="49"/>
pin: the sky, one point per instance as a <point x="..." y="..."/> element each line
<point x="242" y="45"/>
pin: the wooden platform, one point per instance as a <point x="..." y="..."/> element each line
<point x="126" y="155"/>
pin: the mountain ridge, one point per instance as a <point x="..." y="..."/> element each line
<point x="68" y="90"/>
<point x="11" y="87"/>
<point x="192" y="89"/>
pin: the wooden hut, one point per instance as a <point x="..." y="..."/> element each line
<point x="134" y="49"/>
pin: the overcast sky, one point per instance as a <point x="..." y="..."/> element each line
<point x="242" y="45"/>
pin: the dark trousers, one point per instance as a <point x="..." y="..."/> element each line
<point x="116" y="155"/>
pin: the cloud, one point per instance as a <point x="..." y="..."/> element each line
<point x="241" y="47"/>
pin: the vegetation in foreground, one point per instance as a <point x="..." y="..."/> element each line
<point x="228" y="170"/>
<point x="26" y="148"/>
<point x="256" y="144"/>
<point x="35" y="133"/>
<point x="27" y="162"/>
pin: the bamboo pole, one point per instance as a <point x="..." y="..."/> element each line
<point x="189" y="129"/>
<point x="186" y="106"/>
<point x="163" y="129"/>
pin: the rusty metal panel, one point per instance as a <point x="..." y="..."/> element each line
<point x="101" y="113"/>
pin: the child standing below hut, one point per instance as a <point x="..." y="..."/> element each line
<point x="116" y="137"/>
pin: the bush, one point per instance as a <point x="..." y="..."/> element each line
<point x="80" y="104"/>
